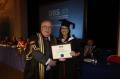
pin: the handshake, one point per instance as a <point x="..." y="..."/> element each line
<point x="51" y="62"/>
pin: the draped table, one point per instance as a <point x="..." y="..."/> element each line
<point x="10" y="57"/>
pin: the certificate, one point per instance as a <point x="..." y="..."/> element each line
<point x="61" y="51"/>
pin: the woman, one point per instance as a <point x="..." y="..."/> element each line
<point x="68" y="67"/>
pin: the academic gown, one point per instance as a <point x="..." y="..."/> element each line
<point x="31" y="70"/>
<point x="71" y="68"/>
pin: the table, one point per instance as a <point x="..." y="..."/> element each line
<point x="11" y="57"/>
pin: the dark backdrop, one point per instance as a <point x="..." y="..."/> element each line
<point x="102" y="20"/>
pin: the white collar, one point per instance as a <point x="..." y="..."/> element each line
<point x="63" y="40"/>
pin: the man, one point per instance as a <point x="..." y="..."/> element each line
<point x="39" y="64"/>
<point x="91" y="52"/>
<point x="89" y="49"/>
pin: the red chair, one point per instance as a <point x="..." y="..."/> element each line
<point x="114" y="59"/>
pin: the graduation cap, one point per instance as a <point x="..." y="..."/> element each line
<point x="67" y="23"/>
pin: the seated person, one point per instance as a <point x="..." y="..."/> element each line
<point x="90" y="50"/>
<point x="6" y="41"/>
<point x="14" y="41"/>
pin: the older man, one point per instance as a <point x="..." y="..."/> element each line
<point x="39" y="64"/>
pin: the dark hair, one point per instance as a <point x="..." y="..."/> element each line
<point x="61" y="36"/>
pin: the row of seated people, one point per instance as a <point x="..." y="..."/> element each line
<point x="8" y="41"/>
<point x="13" y="41"/>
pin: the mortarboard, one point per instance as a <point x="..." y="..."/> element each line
<point x="67" y="23"/>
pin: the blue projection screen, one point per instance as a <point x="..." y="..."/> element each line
<point x="72" y="10"/>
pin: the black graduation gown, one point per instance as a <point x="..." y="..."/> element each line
<point x="71" y="68"/>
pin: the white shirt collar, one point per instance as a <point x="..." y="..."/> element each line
<point x="63" y="40"/>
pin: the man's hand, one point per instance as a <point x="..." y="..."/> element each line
<point x="74" y="54"/>
<point x="52" y="62"/>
